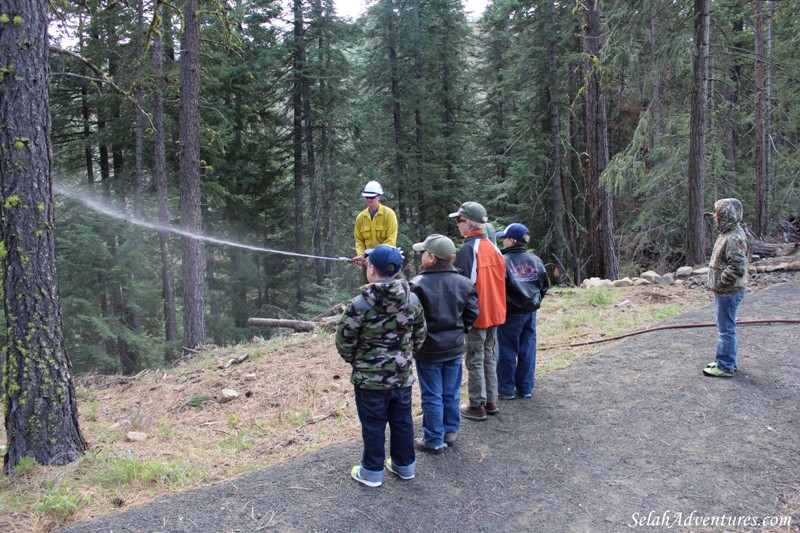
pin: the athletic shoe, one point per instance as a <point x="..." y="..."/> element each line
<point x="355" y="473"/>
<point x="395" y="472"/>
<point x="715" y="372"/>
<point x="507" y="396"/>
<point x="450" y="438"/>
<point x="714" y="365"/>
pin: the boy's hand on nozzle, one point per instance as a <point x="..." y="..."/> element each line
<point x="359" y="260"/>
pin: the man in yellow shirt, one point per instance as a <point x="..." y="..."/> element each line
<point x="377" y="224"/>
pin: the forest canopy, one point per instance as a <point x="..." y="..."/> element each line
<point x="573" y="118"/>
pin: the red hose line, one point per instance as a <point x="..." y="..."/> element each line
<point x="686" y="326"/>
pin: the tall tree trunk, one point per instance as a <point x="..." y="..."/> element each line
<point x="730" y="95"/>
<point x="138" y="178"/>
<point x="194" y="329"/>
<point x="397" y="117"/>
<point x="41" y="415"/>
<point x="604" y="257"/>
<point x="162" y="198"/>
<point x="573" y="193"/>
<point x="297" y="137"/>
<point x="557" y="188"/>
<point x="762" y="173"/>
<point x="420" y="220"/>
<point x="695" y="229"/>
<point x="311" y="163"/>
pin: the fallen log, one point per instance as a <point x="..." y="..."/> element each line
<point x="297" y="325"/>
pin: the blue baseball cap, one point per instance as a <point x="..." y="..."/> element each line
<point x="515" y="231"/>
<point x="386" y="259"/>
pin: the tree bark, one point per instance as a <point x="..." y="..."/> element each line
<point x="191" y="216"/>
<point x="762" y="173"/>
<point x="695" y="229"/>
<point x="604" y="257"/>
<point x="557" y="188"/>
<point x="162" y="198"/>
<point x="41" y="416"/>
<point x="297" y="137"/>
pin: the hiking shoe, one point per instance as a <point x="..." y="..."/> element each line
<point x="450" y="438"/>
<point x="715" y="372"/>
<point x="473" y="413"/>
<point x="507" y="396"/>
<point x="491" y="409"/>
<point x="395" y="472"/>
<point x="355" y="473"/>
<point x="420" y="444"/>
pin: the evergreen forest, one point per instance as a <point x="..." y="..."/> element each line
<point x="606" y="126"/>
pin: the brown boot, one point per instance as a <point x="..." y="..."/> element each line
<point x="491" y="408"/>
<point x="473" y="413"/>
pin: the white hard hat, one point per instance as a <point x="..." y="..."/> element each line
<point x="372" y="189"/>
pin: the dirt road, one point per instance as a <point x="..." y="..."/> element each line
<point x="634" y="437"/>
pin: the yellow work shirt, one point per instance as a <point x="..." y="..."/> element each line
<point x="372" y="231"/>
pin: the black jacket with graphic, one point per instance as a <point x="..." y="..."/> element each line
<point x="527" y="281"/>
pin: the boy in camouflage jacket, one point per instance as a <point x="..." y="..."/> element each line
<point x="378" y="334"/>
<point x="727" y="271"/>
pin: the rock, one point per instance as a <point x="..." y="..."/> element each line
<point x="700" y="271"/>
<point x="666" y="279"/>
<point x="761" y="269"/>
<point x="250" y="377"/>
<point x="782" y="266"/>
<point x="684" y="272"/>
<point x="227" y="395"/>
<point x="641" y="282"/>
<point x="623" y="303"/>
<point x="769" y="268"/>
<point x="794" y="266"/>
<point x="604" y="283"/>
<point x="751" y="269"/>
<point x="179" y="388"/>
<point x="135" y="436"/>
<point x="624" y="282"/>
<point x="679" y="282"/>
<point x="650" y="276"/>
<point x="120" y="425"/>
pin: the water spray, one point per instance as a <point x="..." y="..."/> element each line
<point x="98" y="207"/>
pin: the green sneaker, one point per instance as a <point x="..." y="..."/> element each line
<point x="715" y="372"/>
<point x="396" y="472"/>
<point x="714" y="365"/>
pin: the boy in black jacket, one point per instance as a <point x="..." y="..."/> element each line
<point x="451" y="307"/>
<point x="526" y="285"/>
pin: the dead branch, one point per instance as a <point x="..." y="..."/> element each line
<point x="297" y="325"/>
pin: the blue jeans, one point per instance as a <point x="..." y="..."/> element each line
<point x="516" y="362"/>
<point x="440" y="389"/>
<point x="375" y="409"/>
<point x="726" y="329"/>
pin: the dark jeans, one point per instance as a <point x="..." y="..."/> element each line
<point x="376" y="408"/>
<point x="516" y="361"/>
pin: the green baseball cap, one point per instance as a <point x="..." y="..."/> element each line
<point x="471" y="211"/>
<point x="438" y="245"/>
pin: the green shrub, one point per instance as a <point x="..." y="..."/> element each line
<point x="58" y="504"/>
<point x="25" y="465"/>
